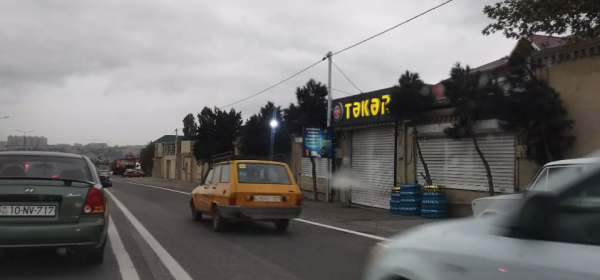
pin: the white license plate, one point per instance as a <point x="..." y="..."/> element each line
<point x="44" y="211"/>
<point x="267" y="198"/>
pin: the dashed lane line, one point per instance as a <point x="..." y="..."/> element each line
<point x="126" y="267"/>
<point x="170" y="263"/>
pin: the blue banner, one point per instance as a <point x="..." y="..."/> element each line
<point x="318" y="142"/>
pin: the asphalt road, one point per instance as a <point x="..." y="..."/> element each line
<point x="160" y="241"/>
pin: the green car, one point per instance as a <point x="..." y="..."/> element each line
<point x="52" y="201"/>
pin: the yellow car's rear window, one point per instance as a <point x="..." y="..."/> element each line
<point x="262" y="173"/>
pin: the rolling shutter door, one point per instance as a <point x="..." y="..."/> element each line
<point x="373" y="166"/>
<point x="320" y="167"/>
<point x="456" y="164"/>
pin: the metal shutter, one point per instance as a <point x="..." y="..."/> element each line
<point x="320" y="167"/>
<point x="373" y="166"/>
<point x="456" y="164"/>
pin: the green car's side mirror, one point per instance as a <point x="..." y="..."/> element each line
<point x="106" y="183"/>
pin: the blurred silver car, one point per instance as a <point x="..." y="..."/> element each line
<point x="551" y="235"/>
<point x="502" y="204"/>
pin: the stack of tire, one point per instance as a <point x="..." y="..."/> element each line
<point x="410" y="199"/>
<point x="395" y="200"/>
<point x="434" y="204"/>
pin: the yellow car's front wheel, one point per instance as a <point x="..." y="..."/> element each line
<point x="219" y="223"/>
<point x="196" y="216"/>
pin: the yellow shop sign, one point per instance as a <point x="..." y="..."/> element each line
<point x="363" y="108"/>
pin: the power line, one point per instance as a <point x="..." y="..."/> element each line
<point x="343" y="91"/>
<point x="402" y="23"/>
<point x="338" y="52"/>
<point x="338" y="68"/>
<point x="298" y="73"/>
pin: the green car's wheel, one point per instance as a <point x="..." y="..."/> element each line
<point x="96" y="257"/>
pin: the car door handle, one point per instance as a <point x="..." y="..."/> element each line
<point x="214" y="187"/>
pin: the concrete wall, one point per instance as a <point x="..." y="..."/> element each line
<point x="187" y="146"/>
<point x="165" y="165"/>
<point x="574" y="71"/>
<point x="193" y="172"/>
<point x="305" y="180"/>
<point x="200" y="171"/>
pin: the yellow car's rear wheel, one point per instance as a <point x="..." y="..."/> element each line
<point x="282" y="225"/>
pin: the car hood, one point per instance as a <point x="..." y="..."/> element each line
<point x="505" y="196"/>
<point x="422" y="236"/>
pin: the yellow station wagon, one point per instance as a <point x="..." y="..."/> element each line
<point x="238" y="190"/>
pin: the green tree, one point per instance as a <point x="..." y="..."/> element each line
<point x="471" y="94"/>
<point x="409" y="101"/>
<point x="311" y="108"/>
<point x="206" y="134"/>
<point x="147" y="158"/>
<point x="520" y="19"/>
<point x="256" y="133"/>
<point x="190" y="128"/>
<point x="217" y="130"/>
<point x="535" y="110"/>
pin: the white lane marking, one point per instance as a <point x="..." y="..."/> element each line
<point x="153" y="187"/>
<point x="343" y="230"/>
<point x="176" y="270"/>
<point x="299" y="220"/>
<point x="383" y="245"/>
<point x="126" y="267"/>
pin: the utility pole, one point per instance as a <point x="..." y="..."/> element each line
<point x="176" y="159"/>
<point x="329" y="93"/>
<point x="24" y="136"/>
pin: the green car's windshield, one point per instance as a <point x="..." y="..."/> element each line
<point x="30" y="166"/>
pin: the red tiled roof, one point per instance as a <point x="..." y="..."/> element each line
<point x="491" y="65"/>
<point x="539" y="41"/>
<point x="437" y="90"/>
<point x="546" y="42"/>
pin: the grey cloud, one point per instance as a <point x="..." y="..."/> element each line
<point x="150" y="62"/>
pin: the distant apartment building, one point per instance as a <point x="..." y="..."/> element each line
<point x="3" y="145"/>
<point x="77" y="145"/>
<point x="27" y="141"/>
<point x="133" y="146"/>
<point x="97" y="145"/>
<point x="62" y="145"/>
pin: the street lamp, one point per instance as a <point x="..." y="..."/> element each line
<point x="273" y="124"/>
<point x="24" y="135"/>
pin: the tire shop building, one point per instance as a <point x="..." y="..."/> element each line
<point x="366" y="142"/>
<point x="374" y="153"/>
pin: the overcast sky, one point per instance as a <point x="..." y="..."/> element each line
<point x="128" y="71"/>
